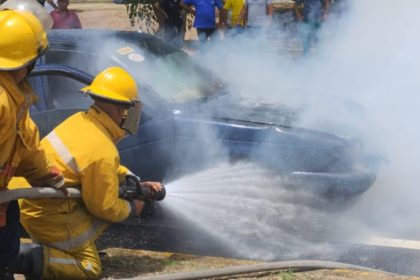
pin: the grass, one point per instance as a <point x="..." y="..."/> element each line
<point x="287" y="275"/>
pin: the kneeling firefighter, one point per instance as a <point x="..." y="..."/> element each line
<point x="23" y="38"/>
<point x="83" y="147"/>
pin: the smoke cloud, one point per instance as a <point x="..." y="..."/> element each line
<point x="359" y="81"/>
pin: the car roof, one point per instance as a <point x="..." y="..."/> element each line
<point x="91" y="38"/>
<point x="89" y="35"/>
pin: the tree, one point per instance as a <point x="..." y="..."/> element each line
<point x="142" y="13"/>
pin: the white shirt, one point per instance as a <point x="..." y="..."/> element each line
<point x="257" y="12"/>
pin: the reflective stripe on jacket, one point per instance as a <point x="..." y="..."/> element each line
<point x="20" y="150"/>
<point x="83" y="148"/>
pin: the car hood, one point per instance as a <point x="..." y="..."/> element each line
<point x="301" y="115"/>
<point x="228" y="107"/>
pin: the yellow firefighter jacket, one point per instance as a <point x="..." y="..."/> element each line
<point x="20" y="151"/>
<point x="83" y="148"/>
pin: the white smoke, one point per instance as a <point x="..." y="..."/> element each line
<point x="362" y="76"/>
<point x="359" y="81"/>
<point x="374" y="60"/>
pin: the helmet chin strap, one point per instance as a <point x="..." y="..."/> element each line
<point x="30" y="67"/>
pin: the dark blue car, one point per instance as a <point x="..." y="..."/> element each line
<point x="190" y="119"/>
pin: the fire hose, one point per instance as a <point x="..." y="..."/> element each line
<point x="125" y="191"/>
<point x="37" y="193"/>
<point x="303" y="265"/>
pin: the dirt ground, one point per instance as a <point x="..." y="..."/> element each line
<point x="102" y="15"/>
<point x="122" y="264"/>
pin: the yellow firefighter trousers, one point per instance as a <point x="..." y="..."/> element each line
<point x="82" y="264"/>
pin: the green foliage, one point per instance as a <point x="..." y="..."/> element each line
<point x="143" y="13"/>
<point x="287" y="275"/>
<point x="176" y="262"/>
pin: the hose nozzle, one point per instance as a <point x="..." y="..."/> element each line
<point x="160" y="195"/>
<point x="146" y="193"/>
<point x="133" y="189"/>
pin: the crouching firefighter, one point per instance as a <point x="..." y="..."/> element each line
<point x="23" y="40"/>
<point x="84" y="149"/>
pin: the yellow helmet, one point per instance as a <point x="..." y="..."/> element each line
<point x="113" y="84"/>
<point x="32" y="6"/>
<point x="23" y="37"/>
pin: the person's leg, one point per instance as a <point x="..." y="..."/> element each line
<point x="29" y="261"/>
<point x="82" y="264"/>
<point x="308" y="32"/>
<point x="303" y="31"/>
<point x="170" y="32"/>
<point x="9" y="240"/>
<point x="179" y="38"/>
<point x="313" y="35"/>
<point x="210" y="33"/>
<point x="173" y="35"/>
<point x="237" y="31"/>
<point x="202" y="37"/>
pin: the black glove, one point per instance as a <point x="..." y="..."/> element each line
<point x="133" y="189"/>
<point x="132" y="180"/>
<point x="130" y="189"/>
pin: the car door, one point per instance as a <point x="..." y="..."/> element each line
<point x="147" y="154"/>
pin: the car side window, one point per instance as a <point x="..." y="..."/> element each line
<point x="89" y="63"/>
<point x="37" y="84"/>
<point x="58" y="100"/>
<point x="63" y="92"/>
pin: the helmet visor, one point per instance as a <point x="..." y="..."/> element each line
<point x="131" y="121"/>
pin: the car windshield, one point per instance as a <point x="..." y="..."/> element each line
<point x="176" y="78"/>
<point x="171" y="72"/>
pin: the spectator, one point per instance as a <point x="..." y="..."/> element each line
<point x="311" y="13"/>
<point x="63" y="18"/>
<point x="230" y="14"/>
<point x="173" y="23"/>
<point x="258" y="13"/>
<point x="205" y="16"/>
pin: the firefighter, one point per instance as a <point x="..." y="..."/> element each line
<point x="23" y="40"/>
<point x="83" y="147"/>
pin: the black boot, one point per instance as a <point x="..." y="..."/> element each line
<point x="29" y="261"/>
<point x="5" y="273"/>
